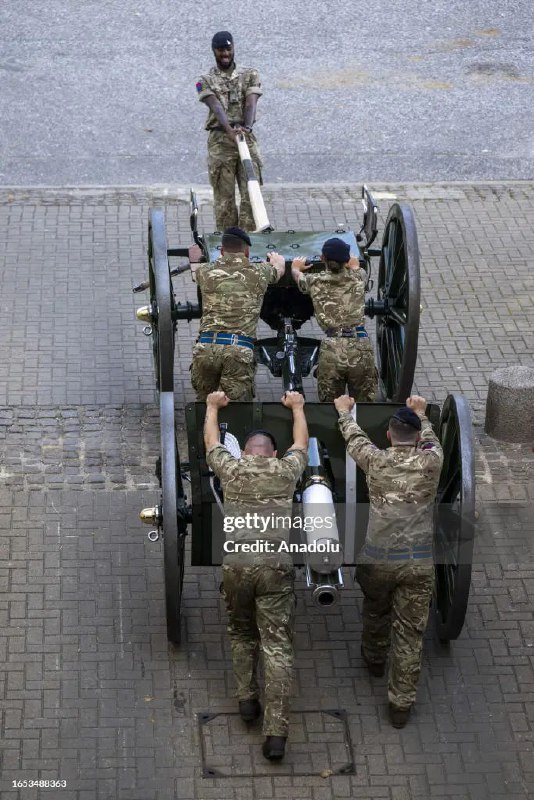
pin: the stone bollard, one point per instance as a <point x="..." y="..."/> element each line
<point x="510" y="405"/>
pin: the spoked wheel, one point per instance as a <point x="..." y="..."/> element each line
<point x="174" y="525"/>
<point x="161" y="302"/>
<point x="172" y="502"/>
<point x="454" y="521"/>
<point x="397" y="324"/>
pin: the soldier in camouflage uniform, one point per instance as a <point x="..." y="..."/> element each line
<point x="231" y="94"/>
<point x="338" y="296"/>
<point x="259" y="587"/>
<point x="395" y="568"/>
<point x="232" y="294"/>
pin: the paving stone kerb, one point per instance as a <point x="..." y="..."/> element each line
<point x="90" y="692"/>
<point x="510" y="405"/>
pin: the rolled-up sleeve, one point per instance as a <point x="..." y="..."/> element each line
<point x="253" y="84"/>
<point x="203" y="88"/>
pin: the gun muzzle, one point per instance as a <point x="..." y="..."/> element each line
<point x="326" y="588"/>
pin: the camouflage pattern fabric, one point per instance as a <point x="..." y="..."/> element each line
<point x="232" y="292"/>
<point x="224" y="170"/>
<point x="402" y="482"/>
<point x="339" y="302"/>
<point x="224" y="165"/>
<point x="225" y="367"/>
<point x="258" y="587"/>
<point x="345" y="362"/>
<point x="395" y="614"/>
<point x="231" y="88"/>
<point x="338" y="297"/>
<point x="261" y="486"/>
<point x="260" y="602"/>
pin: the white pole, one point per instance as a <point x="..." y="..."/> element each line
<point x="256" y="200"/>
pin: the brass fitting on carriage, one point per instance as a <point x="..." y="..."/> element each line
<point x="152" y="516"/>
<point x="144" y="314"/>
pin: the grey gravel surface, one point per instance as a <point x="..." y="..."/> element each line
<point x="393" y="91"/>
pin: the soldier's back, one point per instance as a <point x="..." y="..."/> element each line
<point x="338" y="298"/>
<point x="232" y="294"/>
<point x="402" y="483"/>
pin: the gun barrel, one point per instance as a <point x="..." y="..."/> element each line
<point x="254" y="192"/>
<point x="324" y="551"/>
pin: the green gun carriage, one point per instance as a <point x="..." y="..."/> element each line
<point x="292" y="357"/>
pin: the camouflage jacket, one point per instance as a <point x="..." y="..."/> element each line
<point x="231" y="89"/>
<point x="263" y="488"/>
<point x="232" y="293"/>
<point x="338" y="298"/>
<point x="402" y="483"/>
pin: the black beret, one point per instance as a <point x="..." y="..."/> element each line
<point x="239" y="233"/>
<point x="221" y="40"/>
<point x="336" y="250"/>
<point x="408" y="417"/>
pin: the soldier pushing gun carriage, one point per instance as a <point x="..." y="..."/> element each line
<point x="254" y="274"/>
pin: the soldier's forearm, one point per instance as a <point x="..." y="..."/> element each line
<point x="211" y="427"/>
<point x="295" y="274"/>
<point x="215" y="105"/>
<point x="250" y="110"/>
<point x="300" y="428"/>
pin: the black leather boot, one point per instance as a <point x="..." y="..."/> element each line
<point x="274" y="748"/>
<point x="399" y="716"/>
<point x="249" y="710"/>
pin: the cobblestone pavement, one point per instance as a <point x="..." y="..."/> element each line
<point x="90" y="691"/>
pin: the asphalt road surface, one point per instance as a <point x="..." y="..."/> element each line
<point x="104" y="93"/>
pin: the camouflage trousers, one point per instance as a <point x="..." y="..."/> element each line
<point x="395" y="614"/>
<point x="346" y="362"/>
<point x="225" y="170"/>
<point x="260" y="601"/>
<point x="226" y="367"/>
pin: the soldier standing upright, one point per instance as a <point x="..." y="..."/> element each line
<point x="232" y="292"/>
<point x="259" y="587"/>
<point x="395" y="568"/>
<point x="338" y="297"/>
<point x="231" y="94"/>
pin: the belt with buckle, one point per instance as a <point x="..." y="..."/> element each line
<point x="354" y="332"/>
<point x="402" y="554"/>
<point x="215" y="337"/>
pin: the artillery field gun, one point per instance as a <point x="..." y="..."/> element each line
<point x="332" y="478"/>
